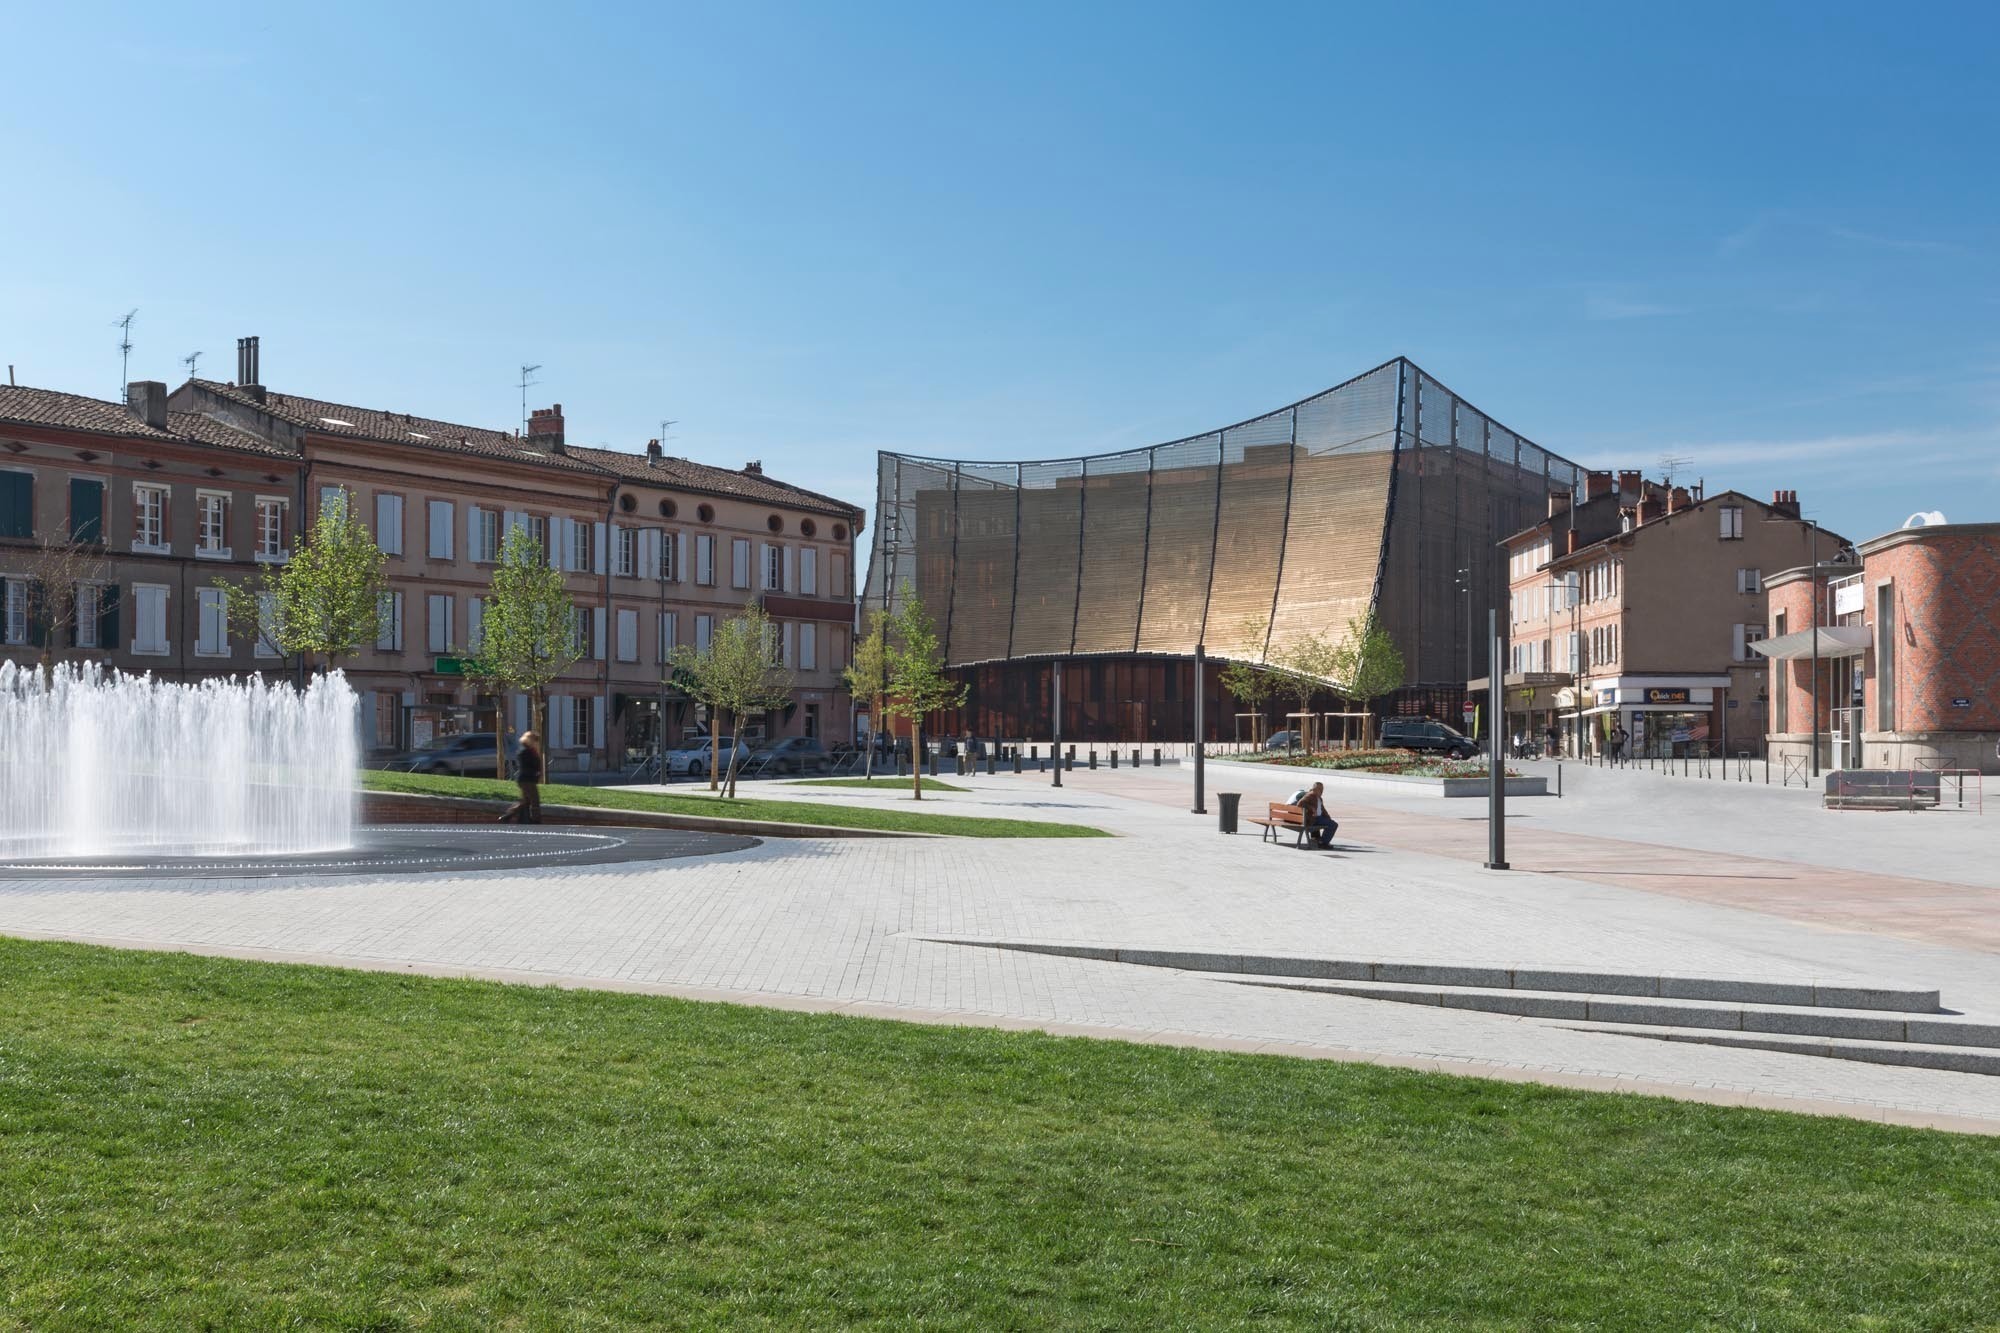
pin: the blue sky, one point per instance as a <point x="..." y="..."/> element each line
<point x="1761" y="238"/>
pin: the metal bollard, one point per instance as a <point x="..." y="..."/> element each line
<point x="1114" y="758"/>
<point x="1017" y="761"/>
<point x="992" y="758"/>
<point x="1156" y="756"/>
<point x="1093" y="757"/>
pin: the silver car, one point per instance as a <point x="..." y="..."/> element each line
<point x="692" y="761"/>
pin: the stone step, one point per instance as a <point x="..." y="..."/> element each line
<point x="1958" y="1059"/>
<point x="1655" y="1011"/>
<point x="1828" y="992"/>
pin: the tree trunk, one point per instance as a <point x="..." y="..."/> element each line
<point x="499" y="735"/>
<point x="714" y="746"/>
<point x="868" y="756"/>
<point x="917" y="758"/>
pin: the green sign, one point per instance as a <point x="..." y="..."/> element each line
<point x="448" y="666"/>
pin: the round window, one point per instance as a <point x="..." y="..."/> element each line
<point x="667" y="509"/>
<point x="706" y="513"/>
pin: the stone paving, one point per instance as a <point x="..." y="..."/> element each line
<point x="843" y="924"/>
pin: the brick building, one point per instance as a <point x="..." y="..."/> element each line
<point x="1907" y="649"/>
<point x="1636" y="604"/>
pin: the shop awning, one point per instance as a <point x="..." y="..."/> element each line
<point x="1834" y="641"/>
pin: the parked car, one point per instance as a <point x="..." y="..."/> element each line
<point x="469" y="754"/>
<point x="797" y="754"/>
<point x="692" y="760"/>
<point x="1282" y="740"/>
<point x="1424" y="736"/>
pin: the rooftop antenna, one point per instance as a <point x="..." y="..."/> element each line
<point x="663" y="430"/>
<point x="125" y="349"/>
<point x="526" y="371"/>
<point x="189" y="361"/>
<point x="1670" y="464"/>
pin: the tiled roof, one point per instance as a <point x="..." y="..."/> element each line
<point x="367" y="423"/>
<point x="687" y="475"/>
<point x="101" y="416"/>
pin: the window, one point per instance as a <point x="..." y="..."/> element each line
<point x="704" y="560"/>
<point x="774" y="643"/>
<point x="628" y="635"/>
<point x="211" y="538"/>
<point x="538" y="531"/>
<point x="86" y="511"/>
<point x="669" y="634"/>
<point x="628" y="551"/>
<point x="704" y="629"/>
<point x="89" y="599"/>
<point x="442" y="518"/>
<point x="485" y="525"/>
<point x="149" y="518"/>
<point x="774" y="568"/>
<point x="1749" y="580"/>
<point x="1885" y="657"/>
<point x="149" y="619"/>
<point x="17" y="504"/>
<point x="437" y="621"/>
<point x="14" y="613"/>
<point x="808" y="647"/>
<point x="267" y="625"/>
<point x="475" y="623"/>
<point x="389" y="623"/>
<point x="1780" y="671"/>
<point x="809" y="571"/>
<point x="579" y="721"/>
<point x="1732" y="522"/>
<point x="670" y="557"/>
<point x="332" y="498"/>
<point x="739" y="562"/>
<point x="389" y="524"/>
<point x="579" y="545"/>
<point x="579" y="629"/>
<point x="270" y="528"/>
<point x="212" y="623"/>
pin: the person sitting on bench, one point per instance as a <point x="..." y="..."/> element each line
<point x="1320" y="826"/>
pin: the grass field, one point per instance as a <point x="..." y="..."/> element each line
<point x="195" y="1143"/>
<point x="879" y="784"/>
<point x="902" y="820"/>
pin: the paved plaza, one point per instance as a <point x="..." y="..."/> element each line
<point x="1631" y="873"/>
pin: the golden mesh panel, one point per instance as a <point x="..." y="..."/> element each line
<point x="1051" y="533"/>
<point x="1256" y="481"/>
<point x="1181" y="545"/>
<point x="982" y="605"/>
<point x="928" y="488"/>
<point x="1114" y="552"/>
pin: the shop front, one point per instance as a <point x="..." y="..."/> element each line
<point x="1664" y="717"/>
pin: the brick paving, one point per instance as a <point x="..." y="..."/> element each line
<point x="841" y="924"/>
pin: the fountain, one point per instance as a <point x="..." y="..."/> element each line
<point x="96" y="762"/>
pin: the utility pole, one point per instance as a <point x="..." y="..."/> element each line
<point x="1496" y="757"/>
<point x="1056" y="669"/>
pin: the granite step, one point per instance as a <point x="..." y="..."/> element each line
<point x="1923" y="1055"/>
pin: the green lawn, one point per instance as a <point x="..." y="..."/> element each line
<point x="199" y="1143"/>
<point x="697" y="801"/>
<point x="879" y="784"/>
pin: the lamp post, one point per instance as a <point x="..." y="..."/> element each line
<point x="1465" y="591"/>
<point x="1057" y="747"/>
<point x="1200" y="731"/>
<point x="1575" y="658"/>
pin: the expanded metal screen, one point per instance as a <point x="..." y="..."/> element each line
<point x="1388" y="491"/>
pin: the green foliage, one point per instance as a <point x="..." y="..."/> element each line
<point x="738" y="677"/>
<point x="1251" y="683"/>
<point x="867" y="676"/>
<point x="1305" y="667"/>
<point x="325" y="602"/>
<point x="918" y="685"/>
<point x="528" y="627"/>
<point x="1368" y="664"/>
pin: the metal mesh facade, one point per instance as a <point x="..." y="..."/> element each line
<point x="1375" y="493"/>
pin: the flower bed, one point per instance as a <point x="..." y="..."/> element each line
<point x="1397" y="763"/>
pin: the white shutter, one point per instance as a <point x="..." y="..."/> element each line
<point x="597" y="548"/>
<point x="808" y="648"/>
<point x="628" y="636"/>
<point x="389" y="524"/>
<point x="762" y="574"/>
<point x="1736" y="642"/>
<point x="597" y="722"/>
<point x="515" y="519"/>
<point x="475" y="624"/>
<point x="680" y="556"/>
<point x="597" y="632"/>
<point x="558" y="542"/>
<point x="669" y="625"/>
<point x="790" y="657"/>
<point x="789" y="584"/>
<point x="704" y="627"/>
<point x="610" y="543"/>
<point x="809" y="571"/>
<point x="649" y="553"/>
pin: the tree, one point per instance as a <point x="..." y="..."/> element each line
<point x="739" y="675"/>
<point x="867" y="676"/>
<point x="56" y="576"/>
<point x="527" y="631"/>
<point x="1368" y="664"/>
<point x="1305" y="666"/>
<point x="1250" y="683"/>
<point x="326" y="600"/>
<point x="918" y="685"/>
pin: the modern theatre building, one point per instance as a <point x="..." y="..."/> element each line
<point x="1388" y="492"/>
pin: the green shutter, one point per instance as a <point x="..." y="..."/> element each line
<point x="86" y="510"/>
<point x="17" y="504"/>
<point x="38" y="613"/>
<point x="107" y="618"/>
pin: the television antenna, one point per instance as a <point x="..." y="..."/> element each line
<point x="1670" y="464"/>
<point x="125" y="348"/>
<point x="189" y="361"/>
<point x="526" y="372"/>
<point x="664" y="437"/>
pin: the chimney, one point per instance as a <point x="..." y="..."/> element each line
<point x="755" y="467"/>
<point x="1629" y="484"/>
<point x="247" y="372"/>
<point x="1569" y="542"/>
<point x="545" y="429"/>
<point x="1677" y="500"/>
<point x="652" y="453"/>
<point x="147" y="400"/>
<point x="1651" y="508"/>
<point x="1786" y="503"/>
<point x="1558" y="503"/>
<point x="1596" y="484"/>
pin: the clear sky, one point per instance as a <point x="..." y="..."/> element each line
<point x="1761" y="238"/>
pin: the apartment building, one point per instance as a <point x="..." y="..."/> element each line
<point x="165" y="508"/>
<point x="1637" y="604"/>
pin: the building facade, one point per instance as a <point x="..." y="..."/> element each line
<point x="1384" y="496"/>
<point x="1638" y="605"/>
<point x="1890" y="658"/>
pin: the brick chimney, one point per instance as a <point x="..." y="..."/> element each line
<point x="147" y="400"/>
<point x="755" y="467"/>
<point x="1558" y="503"/>
<point x="545" y="429"/>
<point x="1596" y="484"/>
<point x="652" y="453"/>
<point x="1786" y="503"/>
<point x="1651" y="508"/>
<point x="1569" y="542"/>
<point x="1629" y="484"/>
<point x="248" y="372"/>
<point x="1677" y="500"/>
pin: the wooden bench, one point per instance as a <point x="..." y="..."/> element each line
<point x="1284" y="816"/>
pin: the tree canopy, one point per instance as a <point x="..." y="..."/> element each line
<point x="739" y="675"/>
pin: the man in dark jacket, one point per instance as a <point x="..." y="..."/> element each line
<point x="528" y="776"/>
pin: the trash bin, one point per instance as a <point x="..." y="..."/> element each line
<point x="1226" y="819"/>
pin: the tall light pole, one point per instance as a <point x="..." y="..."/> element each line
<point x="1575" y="658"/>
<point x="1465" y="591"/>
<point x="1056" y="674"/>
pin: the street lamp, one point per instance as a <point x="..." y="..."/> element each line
<point x="1465" y="590"/>
<point x="1573" y="595"/>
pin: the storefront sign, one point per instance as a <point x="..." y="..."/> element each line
<point x="1665" y="696"/>
<point x="1847" y="598"/>
<point x="1732" y="703"/>
<point x="1961" y="703"/>
<point x="1607" y="696"/>
<point x="448" y="666"/>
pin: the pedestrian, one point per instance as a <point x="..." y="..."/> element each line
<point x="1320" y="826"/>
<point x="528" y="769"/>
<point x="1619" y="736"/>
<point x="1555" y="741"/>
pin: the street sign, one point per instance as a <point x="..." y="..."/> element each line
<point x="448" y="666"/>
<point x="1470" y="708"/>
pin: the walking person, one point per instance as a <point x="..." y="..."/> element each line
<point x="1618" y="738"/>
<point x="528" y="769"/>
<point x="1555" y="741"/>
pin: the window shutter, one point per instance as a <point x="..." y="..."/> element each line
<point x="649" y="553"/>
<point x="597" y="722"/>
<point x="86" y="510"/>
<point x="787" y="583"/>
<point x="1736" y="648"/>
<point x="791" y="654"/>
<point x="597" y="632"/>
<point x="107" y="617"/>
<point x="597" y="548"/>
<point x="680" y="556"/>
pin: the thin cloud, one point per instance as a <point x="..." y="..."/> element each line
<point x="1603" y="307"/>
<point x="1907" y="244"/>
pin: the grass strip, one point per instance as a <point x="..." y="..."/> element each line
<point x="786" y="812"/>
<point x="198" y="1142"/>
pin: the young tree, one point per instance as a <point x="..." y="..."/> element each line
<point x="56" y="575"/>
<point x="918" y="685"/>
<point x="1305" y="664"/>
<point x="1251" y="683"/>
<point x="527" y="631"/>
<point x="325" y="601"/>
<point x="738" y="676"/>
<point x="1367" y="664"/>
<point x="867" y="676"/>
